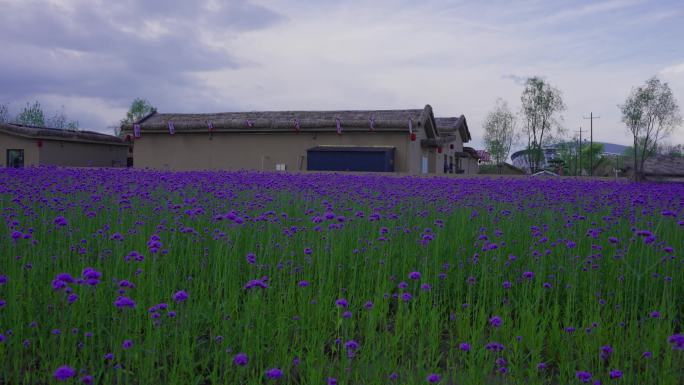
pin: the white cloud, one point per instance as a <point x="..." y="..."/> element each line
<point x="677" y="69"/>
<point x="459" y="56"/>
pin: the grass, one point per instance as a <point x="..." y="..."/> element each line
<point x="443" y="228"/>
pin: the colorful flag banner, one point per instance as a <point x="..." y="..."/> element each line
<point x="249" y="123"/>
<point x="136" y="130"/>
<point x="296" y="125"/>
<point x="338" y="124"/>
<point x="172" y="130"/>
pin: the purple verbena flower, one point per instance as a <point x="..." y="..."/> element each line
<point x="677" y="341"/>
<point x="64" y="373"/>
<point x="583" y="376"/>
<point x="256" y="283"/>
<point x="241" y="359"/>
<point x="274" y="374"/>
<point x="180" y="296"/>
<point x="342" y="302"/>
<point x="606" y="351"/>
<point x="122" y="302"/>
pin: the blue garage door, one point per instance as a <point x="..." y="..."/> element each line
<point x="323" y="158"/>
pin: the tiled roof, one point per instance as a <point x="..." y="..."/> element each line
<point x="269" y="121"/>
<point x="59" y="134"/>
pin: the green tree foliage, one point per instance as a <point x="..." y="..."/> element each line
<point x="577" y="159"/>
<point x="31" y="115"/>
<point x="541" y="106"/>
<point x="499" y="126"/>
<point x="651" y="113"/>
<point x="138" y="110"/>
<point x="649" y="151"/>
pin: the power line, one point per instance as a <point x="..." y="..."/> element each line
<point x="578" y="158"/>
<point x="591" y="142"/>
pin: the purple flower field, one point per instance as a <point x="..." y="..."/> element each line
<point x="140" y="277"/>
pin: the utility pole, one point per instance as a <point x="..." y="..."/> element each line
<point x="578" y="158"/>
<point x="591" y="142"/>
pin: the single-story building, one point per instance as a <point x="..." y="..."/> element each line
<point x="463" y="160"/>
<point x="500" y="169"/>
<point x="660" y="168"/>
<point x="409" y="141"/>
<point x="41" y="146"/>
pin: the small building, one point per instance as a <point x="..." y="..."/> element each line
<point x="40" y="146"/>
<point x="405" y="141"/>
<point x="463" y="160"/>
<point x="500" y="169"/>
<point x="660" y="168"/>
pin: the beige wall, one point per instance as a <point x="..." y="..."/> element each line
<point x="13" y="142"/>
<point x="470" y="165"/>
<point x="232" y="151"/>
<point x="61" y="153"/>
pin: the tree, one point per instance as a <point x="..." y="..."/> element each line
<point x="567" y="152"/>
<point x="60" y="120"/>
<point x="650" y="113"/>
<point x="4" y="113"/>
<point x="671" y="150"/>
<point x="577" y="158"/>
<point x="541" y="103"/>
<point x="138" y="110"/>
<point x="31" y="115"/>
<point x="499" y="126"/>
<point x="649" y="151"/>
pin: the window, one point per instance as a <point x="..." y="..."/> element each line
<point x="15" y="158"/>
<point x="280" y="167"/>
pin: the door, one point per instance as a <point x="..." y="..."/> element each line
<point x="15" y="158"/>
<point x="424" y="165"/>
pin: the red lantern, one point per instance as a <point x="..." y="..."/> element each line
<point x="439" y="150"/>
<point x="451" y="146"/>
<point x="39" y="143"/>
<point x="413" y="137"/>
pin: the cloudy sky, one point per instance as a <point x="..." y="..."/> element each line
<point x="95" y="56"/>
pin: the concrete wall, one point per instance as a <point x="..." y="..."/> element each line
<point x="75" y="154"/>
<point x="13" y="142"/>
<point x="231" y="151"/>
